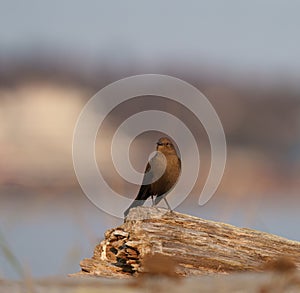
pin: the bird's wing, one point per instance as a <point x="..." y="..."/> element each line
<point x="144" y="191"/>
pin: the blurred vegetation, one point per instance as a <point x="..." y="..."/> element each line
<point x="41" y="97"/>
<point x="10" y="257"/>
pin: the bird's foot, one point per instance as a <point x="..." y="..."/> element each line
<point x="153" y="202"/>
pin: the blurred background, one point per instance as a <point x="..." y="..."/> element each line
<point x="55" y="55"/>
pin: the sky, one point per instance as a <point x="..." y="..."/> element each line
<point x="242" y="34"/>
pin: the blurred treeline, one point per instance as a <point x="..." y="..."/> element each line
<point x="41" y="97"/>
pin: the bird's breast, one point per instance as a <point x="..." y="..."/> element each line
<point x="169" y="166"/>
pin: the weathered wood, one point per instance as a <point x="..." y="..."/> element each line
<point x="199" y="247"/>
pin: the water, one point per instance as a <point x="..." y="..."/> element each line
<point x="49" y="235"/>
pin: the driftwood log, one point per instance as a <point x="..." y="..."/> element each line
<point x="169" y="243"/>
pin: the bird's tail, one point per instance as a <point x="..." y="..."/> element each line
<point x="135" y="203"/>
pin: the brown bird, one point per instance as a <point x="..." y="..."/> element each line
<point x="165" y="163"/>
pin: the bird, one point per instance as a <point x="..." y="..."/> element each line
<point x="165" y="163"/>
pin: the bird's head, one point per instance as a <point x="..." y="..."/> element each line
<point x="165" y="146"/>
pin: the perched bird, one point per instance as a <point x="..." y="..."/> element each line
<point x="160" y="176"/>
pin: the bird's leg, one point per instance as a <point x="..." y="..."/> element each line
<point x="153" y="204"/>
<point x="168" y="204"/>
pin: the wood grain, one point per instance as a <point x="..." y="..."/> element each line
<point x="197" y="246"/>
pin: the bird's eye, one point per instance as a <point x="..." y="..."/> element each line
<point x="167" y="143"/>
